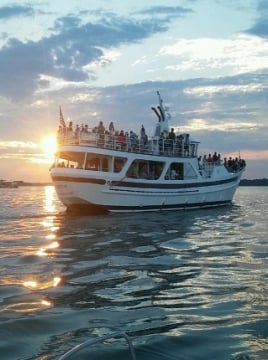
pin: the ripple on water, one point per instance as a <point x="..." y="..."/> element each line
<point x="178" y="244"/>
<point x="145" y="249"/>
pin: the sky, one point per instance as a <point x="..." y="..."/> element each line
<point x="106" y="59"/>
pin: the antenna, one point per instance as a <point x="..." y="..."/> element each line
<point x="160" y="107"/>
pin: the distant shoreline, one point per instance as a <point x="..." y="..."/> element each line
<point x="25" y="183"/>
<point x="255" y="182"/>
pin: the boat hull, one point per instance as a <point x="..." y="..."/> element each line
<point x="80" y="194"/>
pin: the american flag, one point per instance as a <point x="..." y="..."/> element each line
<point x="62" y="121"/>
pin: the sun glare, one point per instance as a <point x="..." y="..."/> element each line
<point x="49" y="146"/>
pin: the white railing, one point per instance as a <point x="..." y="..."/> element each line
<point x="154" y="145"/>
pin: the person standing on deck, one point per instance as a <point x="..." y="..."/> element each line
<point x="101" y="132"/>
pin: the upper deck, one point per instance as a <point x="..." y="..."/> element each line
<point x="182" y="146"/>
<point x="164" y="143"/>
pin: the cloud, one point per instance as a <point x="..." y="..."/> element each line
<point x="260" y="27"/>
<point x="168" y="12"/>
<point x="16" y="144"/>
<point x="14" y="11"/>
<point x="68" y="51"/>
<point x="16" y="149"/>
<point x="226" y="88"/>
<point x="238" y="54"/>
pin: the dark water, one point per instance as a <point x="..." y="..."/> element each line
<point x="182" y="285"/>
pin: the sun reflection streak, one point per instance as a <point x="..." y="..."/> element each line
<point x="49" y="200"/>
<point x="25" y="307"/>
<point x="30" y="284"/>
<point x="48" y="221"/>
<point x="34" y="285"/>
<point x="50" y="236"/>
<point x="45" y="251"/>
<point x="56" y="281"/>
<point x="46" y="302"/>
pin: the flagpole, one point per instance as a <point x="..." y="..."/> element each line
<point x="62" y="121"/>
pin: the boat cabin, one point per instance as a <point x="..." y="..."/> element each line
<point x="135" y="167"/>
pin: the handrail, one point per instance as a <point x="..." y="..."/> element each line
<point x="99" y="340"/>
<point x="154" y="145"/>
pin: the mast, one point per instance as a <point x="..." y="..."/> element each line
<point x="163" y="116"/>
<point x="160" y="107"/>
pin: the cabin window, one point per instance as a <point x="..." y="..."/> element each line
<point x="175" y="171"/>
<point x="71" y="159"/>
<point x="92" y="162"/>
<point x="180" y="171"/>
<point x="189" y="172"/>
<point x="142" y="169"/>
<point x="119" y="162"/>
<point x="97" y="162"/>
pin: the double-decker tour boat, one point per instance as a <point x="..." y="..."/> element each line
<point x="103" y="169"/>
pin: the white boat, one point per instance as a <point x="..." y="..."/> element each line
<point x="101" y="170"/>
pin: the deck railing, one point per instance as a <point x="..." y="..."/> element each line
<point x="154" y="145"/>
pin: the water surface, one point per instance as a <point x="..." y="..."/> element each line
<point x="182" y="285"/>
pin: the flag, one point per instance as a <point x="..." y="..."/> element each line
<point x="62" y="121"/>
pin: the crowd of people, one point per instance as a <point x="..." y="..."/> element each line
<point x="234" y="164"/>
<point x="169" y="143"/>
<point x="231" y="164"/>
<point x="114" y="138"/>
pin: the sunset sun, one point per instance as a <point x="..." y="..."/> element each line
<point x="49" y="146"/>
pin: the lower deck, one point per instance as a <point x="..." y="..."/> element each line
<point x="119" y="165"/>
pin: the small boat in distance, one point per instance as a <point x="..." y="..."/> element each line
<point x="108" y="170"/>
